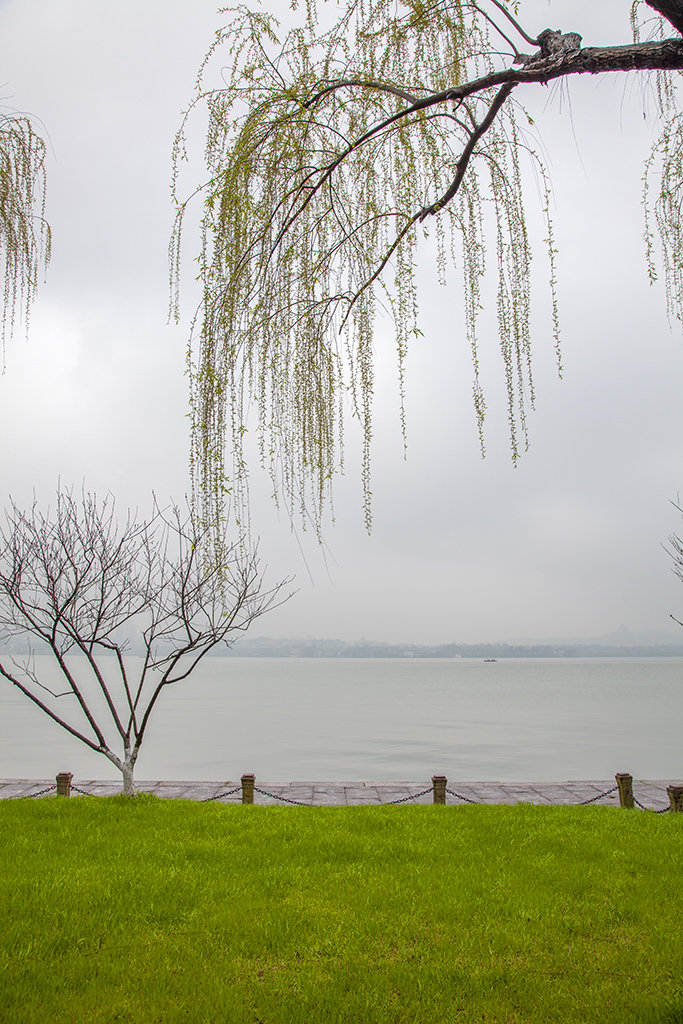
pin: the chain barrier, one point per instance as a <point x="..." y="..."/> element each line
<point x="411" y="796"/>
<point x="399" y="800"/>
<point x="584" y="803"/>
<point x="205" y="800"/>
<point x="219" y="796"/>
<point x="32" y="796"/>
<point x="661" y="810"/>
<point x="593" y="799"/>
<point x="286" y="799"/>
<point x="461" y="797"/>
<point x="302" y="803"/>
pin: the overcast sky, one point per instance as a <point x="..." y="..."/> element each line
<point x="464" y="549"/>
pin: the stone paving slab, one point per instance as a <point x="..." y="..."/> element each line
<point x="651" y="793"/>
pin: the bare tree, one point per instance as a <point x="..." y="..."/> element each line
<point x="78" y="584"/>
<point x="330" y="150"/>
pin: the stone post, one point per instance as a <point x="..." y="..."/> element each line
<point x="63" y="780"/>
<point x="675" y="798"/>
<point x="439" y="788"/>
<point x="248" y="780"/>
<point x="625" y="784"/>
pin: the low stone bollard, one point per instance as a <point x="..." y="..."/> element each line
<point x="248" y="780"/>
<point x="63" y="780"/>
<point x="439" y="788"/>
<point x="625" y="784"/>
<point x="675" y="798"/>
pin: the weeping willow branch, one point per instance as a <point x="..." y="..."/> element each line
<point x="328" y="155"/>
<point x="25" y="240"/>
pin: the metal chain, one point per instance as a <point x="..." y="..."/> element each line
<point x="208" y="799"/>
<point x="583" y="803"/>
<point x="287" y="799"/>
<point x="32" y="796"/>
<point x="219" y="796"/>
<point x="461" y="797"/>
<point x="405" y="799"/>
<point x="302" y="803"/>
<point x="592" y="800"/>
<point x="662" y="810"/>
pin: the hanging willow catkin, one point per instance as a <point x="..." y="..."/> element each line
<point x="25" y="240"/>
<point x="323" y="172"/>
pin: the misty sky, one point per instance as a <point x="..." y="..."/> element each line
<point x="568" y="543"/>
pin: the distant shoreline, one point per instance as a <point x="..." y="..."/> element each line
<point x="264" y="647"/>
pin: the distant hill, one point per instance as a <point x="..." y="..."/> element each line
<point x="620" y="644"/>
<point x="311" y="647"/>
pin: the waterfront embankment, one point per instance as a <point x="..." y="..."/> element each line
<point x="651" y="794"/>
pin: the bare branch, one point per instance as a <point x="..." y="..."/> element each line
<point x="48" y="711"/>
<point x="351" y="82"/>
<point x="513" y="21"/>
<point x="464" y="160"/>
<point x="497" y="27"/>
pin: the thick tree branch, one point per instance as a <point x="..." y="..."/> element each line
<point x="672" y="10"/>
<point x="651" y="56"/>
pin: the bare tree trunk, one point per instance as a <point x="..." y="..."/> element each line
<point x="127" y="767"/>
<point x="127" y="772"/>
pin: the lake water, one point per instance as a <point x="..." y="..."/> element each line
<point x="386" y="719"/>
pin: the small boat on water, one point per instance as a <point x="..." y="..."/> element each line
<point x="490" y="659"/>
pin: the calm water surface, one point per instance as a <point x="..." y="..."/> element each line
<point x="387" y="719"/>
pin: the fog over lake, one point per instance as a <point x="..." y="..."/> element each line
<point x="386" y="719"/>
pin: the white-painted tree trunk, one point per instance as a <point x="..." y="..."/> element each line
<point x="125" y="766"/>
<point x="127" y="771"/>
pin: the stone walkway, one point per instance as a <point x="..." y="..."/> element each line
<point x="651" y="794"/>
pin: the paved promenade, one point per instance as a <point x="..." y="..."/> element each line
<point x="649" y="793"/>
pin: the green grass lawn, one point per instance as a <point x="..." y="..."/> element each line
<point x="141" y="910"/>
